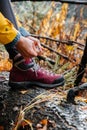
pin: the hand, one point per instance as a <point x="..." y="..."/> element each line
<point x="27" y="47"/>
<point x="37" y="44"/>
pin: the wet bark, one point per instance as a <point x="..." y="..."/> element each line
<point x="82" y="66"/>
<point x="65" y="116"/>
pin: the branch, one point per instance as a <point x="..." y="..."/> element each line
<point x="60" y="41"/>
<point x="82" y="66"/>
<point x="68" y="42"/>
<point x="62" y="55"/>
<point x="74" y="1"/>
<point x="63" y="1"/>
<point x="46" y="59"/>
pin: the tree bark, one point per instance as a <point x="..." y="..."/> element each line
<point x="82" y="66"/>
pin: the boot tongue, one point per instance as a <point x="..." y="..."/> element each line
<point x="22" y="64"/>
<point x="27" y="61"/>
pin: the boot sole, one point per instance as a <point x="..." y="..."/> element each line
<point x="26" y="85"/>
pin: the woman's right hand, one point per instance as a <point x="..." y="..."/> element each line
<point x="27" y="47"/>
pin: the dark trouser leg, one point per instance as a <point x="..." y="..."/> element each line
<point x="6" y="10"/>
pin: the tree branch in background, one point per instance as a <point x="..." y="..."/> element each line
<point x="62" y="55"/>
<point x="82" y="66"/>
<point x="74" y="1"/>
<point x="68" y="42"/>
<point x="63" y="1"/>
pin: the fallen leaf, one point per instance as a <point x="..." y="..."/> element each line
<point x="42" y="125"/>
<point x="1" y="128"/>
<point x="5" y="64"/>
<point x="44" y="122"/>
<point x="82" y="99"/>
<point x="23" y="91"/>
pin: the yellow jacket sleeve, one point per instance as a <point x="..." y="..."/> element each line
<point x="7" y="30"/>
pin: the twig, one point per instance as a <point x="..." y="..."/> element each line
<point x="80" y="48"/>
<point x="46" y="59"/>
<point x="62" y="55"/>
<point x="32" y="28"/>
<point x="68" y="42"/>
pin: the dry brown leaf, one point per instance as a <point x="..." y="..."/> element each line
<point x="23" y="91"/>
<point x="44" y="122"/>
<point x="1" y="127"/>
<point x="42" y="125"/>
<point x="5" y="64"/>
<point x="25" y="123"/>
<point x="82" y="99"/>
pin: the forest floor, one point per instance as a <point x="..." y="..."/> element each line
<point x="47" y="105"/>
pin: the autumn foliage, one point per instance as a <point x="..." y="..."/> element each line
<point x="5" y="63"/>
<point x="57" y="25"/>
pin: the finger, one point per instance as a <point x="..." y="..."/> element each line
<point x="36" y="41"/>
<point x="27" y="52"/>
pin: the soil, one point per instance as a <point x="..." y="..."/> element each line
<point x="60" y="114"/>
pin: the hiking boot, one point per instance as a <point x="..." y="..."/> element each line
<point x="27" y="73"/>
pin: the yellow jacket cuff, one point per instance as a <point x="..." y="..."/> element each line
<point x="13" y="43"/>
<point x="7" y="31"/>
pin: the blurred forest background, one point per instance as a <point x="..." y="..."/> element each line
<point x="62" y="31"/>
<point x="57" y="25"/>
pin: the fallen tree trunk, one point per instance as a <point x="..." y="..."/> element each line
<point x="63" y="1"/>
<point x="56" y="111"/>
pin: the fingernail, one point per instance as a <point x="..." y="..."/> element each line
<point x="38" y="49"/>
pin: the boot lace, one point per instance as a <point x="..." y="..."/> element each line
<point x="37" y="68"/>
